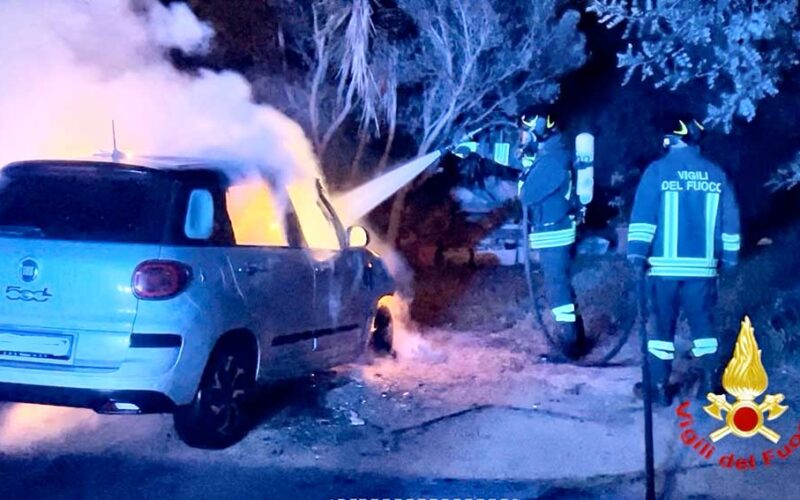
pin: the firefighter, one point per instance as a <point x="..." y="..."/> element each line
<point x="684" y="225"/>
<point x="546" y="190"/>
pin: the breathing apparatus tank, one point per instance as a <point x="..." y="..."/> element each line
<point x="584" y="167"/>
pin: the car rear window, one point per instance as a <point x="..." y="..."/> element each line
<point x="84" y="202"/>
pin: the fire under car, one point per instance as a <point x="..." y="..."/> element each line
<point x="176" y="285"/>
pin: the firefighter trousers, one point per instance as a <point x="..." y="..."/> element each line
<point x="697" y="298"/>
<point x="555" y="265"/>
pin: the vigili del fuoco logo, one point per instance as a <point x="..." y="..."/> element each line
<point x="745" y="380"/>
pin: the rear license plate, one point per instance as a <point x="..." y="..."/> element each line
<point x="35" y="346"/>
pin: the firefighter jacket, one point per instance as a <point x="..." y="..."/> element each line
<point x="685" y="218"/>
<point x="547" y="190"/>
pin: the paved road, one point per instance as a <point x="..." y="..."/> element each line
<point x="117" y="476"/>
<point x="548" y="432"/>
<point x="71" y="477"/>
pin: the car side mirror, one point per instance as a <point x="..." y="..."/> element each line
<point x="357" y="237"/>
<point x="199" y="215"/>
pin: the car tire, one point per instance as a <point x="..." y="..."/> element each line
<point x="220" y="414"/>
<point x="381" y="336"/>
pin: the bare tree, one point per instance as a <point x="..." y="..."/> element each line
<point x="472" y="61"/>
<point x="332" y="38"/>
<point x="356" y="71"/>
<point x="387" y="90"/>
<point x="386" y="86"/>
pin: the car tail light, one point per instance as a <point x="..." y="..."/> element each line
<point x="160" y="279"/>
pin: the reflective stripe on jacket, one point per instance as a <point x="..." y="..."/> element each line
<point x="556" y="237"/>
<point x="547" y="190"/>
<point x="685" y="217"/>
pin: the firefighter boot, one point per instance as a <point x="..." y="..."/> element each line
<point x="573" y="344"/>
<point x="563" y="347"/>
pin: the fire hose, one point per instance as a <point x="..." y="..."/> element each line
<point x="357" y="202"/>
<point x="606" y="357"/>
<point x="646" y="390"/>
<point x="529" y="279"/>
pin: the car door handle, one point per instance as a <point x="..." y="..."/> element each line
<point x="252" y="269"/>
<point x="367" y="278"/>
<point x="322" y="269"/>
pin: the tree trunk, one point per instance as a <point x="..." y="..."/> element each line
<point x="388" y="149"/>
<point x="396" y="214"/>
<point x="339" y="120"/>
<point x="363" y="138"/>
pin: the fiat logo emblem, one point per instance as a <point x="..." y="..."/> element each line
<point x="28" y="270"/>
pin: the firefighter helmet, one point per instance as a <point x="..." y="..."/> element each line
<point x="688" y="130"/>
<point x="542" y="125"/>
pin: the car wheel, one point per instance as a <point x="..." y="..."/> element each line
<point x="381" y="336"/>
<point x="219" y="415"/>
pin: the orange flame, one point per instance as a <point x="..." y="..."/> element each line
<point x="256" y="214"/>
<point x="745" y="377"/>
<point x="399" y="306"/>
<point x="318" y="230"/>
<point x="24" y="425"/>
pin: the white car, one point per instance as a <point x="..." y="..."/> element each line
<point x="174" y="285"/>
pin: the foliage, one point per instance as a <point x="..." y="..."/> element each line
<point x="738" y="49"/>
<point x="786" y="177"/>
<point x="425" y="71"/>
<point x="473" y="59"/>
<point x="327" y="53"/>
<point x="428" y="70"/>
<point x="764" y="287"/>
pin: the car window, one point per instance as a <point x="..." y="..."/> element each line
<point x="199" y="216"/>
<point x="256" y="214"/>
<point x="84" y="202"/>
<point x="318" y="227"/>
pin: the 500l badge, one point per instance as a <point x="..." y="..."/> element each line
<point x="19" y="293"/>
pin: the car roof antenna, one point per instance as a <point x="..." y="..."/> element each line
<point x="116" y="155"/>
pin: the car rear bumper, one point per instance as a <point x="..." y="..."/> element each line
<point x="102" y="401"/>
<point x="151" y="374"/>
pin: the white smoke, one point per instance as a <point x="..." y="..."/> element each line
<point x="70" y="67"/>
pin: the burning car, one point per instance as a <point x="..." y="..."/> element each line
<point x="176" y="285"/>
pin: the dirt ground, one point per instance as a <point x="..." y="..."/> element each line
<point x="468" y="408"/>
